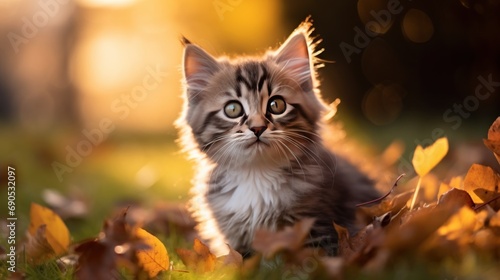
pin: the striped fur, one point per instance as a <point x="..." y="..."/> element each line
<point x="263" y="168"/>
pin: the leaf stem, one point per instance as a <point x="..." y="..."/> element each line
<point x="486" y="203"/>
<point x="417" y="189"/>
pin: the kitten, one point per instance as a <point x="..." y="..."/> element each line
<point x="253" y="126"/>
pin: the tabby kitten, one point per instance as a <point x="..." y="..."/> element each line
<point x="253" y="126"/>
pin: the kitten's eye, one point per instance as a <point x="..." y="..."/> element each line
<point x="277" y="105"/>
<point x="233" y="109"/>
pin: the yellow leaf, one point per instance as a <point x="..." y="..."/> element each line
<point x="426" y="159"/>
<point x="56" y="232"/>
<point x="483" y="184"/>
<point x="155" y="258"/>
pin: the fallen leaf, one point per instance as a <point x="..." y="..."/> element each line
<point x="345" y="248"/>
<point x="456" y="198"/>
<point x="155" y="258"/>
<point x="462" y="224"/>
<point x="291" y="238"/>
<point x="483" y="184"/>
<point x="443" y="188"/>
<point x="56" y="232"/>
<point x="37" y="247"/>
<point x="232" y="259"/>
<point x="198" y="260"/>
<point x="116" y="246"/>
<point x="493" y="141"/>
<point x="425" y="159"/>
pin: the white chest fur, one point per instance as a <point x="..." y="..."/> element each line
<point x="253" y="189"/>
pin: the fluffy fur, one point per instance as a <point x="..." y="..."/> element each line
<point x="253" y="126"/>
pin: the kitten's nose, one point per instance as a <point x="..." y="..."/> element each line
<point x="258" y="130"/>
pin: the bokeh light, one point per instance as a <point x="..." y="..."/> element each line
<point x="417" y="26"/>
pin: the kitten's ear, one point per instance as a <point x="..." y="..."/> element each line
<point x="198" y="66"/>
<point x="295" y="57"/>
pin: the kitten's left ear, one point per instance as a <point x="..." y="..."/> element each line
<point x="295" y="57"/>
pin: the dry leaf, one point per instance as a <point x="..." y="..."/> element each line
<point x="291" y="238"/>
<point x="456" y="198"/>
<point x="425" y="159"/>
<point x="56" y="232"/>
<point x="462" y="224"/>
<point x="200" y="259"/>
<point x="38" y="248"/>
<point x="155" y="258"/>
<point x="232" y="259"/>
<point x="116" y="246"/>
<point x="493" y="141"/>
<point x="483" y="184"/>
<point x="350" y="246"/>
<point x="345" y="248"/>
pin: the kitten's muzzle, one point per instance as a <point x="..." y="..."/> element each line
<point x="258" y="130"/>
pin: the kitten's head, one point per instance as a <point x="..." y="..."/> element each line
<point x="249" y="110"/>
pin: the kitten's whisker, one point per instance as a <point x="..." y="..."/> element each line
<point x="293" y="154"/>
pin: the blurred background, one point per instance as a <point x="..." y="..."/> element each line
<point x="89" y="89"/>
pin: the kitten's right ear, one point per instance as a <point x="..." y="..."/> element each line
<point x="198" y="66"/>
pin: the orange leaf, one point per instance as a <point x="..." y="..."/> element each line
<point x="483" y="184"/>
<point x="155" y="258"/>
<point x="493" y="141"/>
<point x="425" y="159"/>
<point x="200" y="259"/>
<point x="56" y="232"/>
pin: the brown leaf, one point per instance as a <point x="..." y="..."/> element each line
<point x="198" y="260"/>
<point x="116" y="246"/>
<point x="232" y="259"/>
<point x="457" y="198"/>
<point x="345" y="247"/>
<point x="421" y="224"/>
<point x="290" y="239"/>
<point x="493" y="141"/>
<point x="37" y="247"/>
<point x="483" y="184"/>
